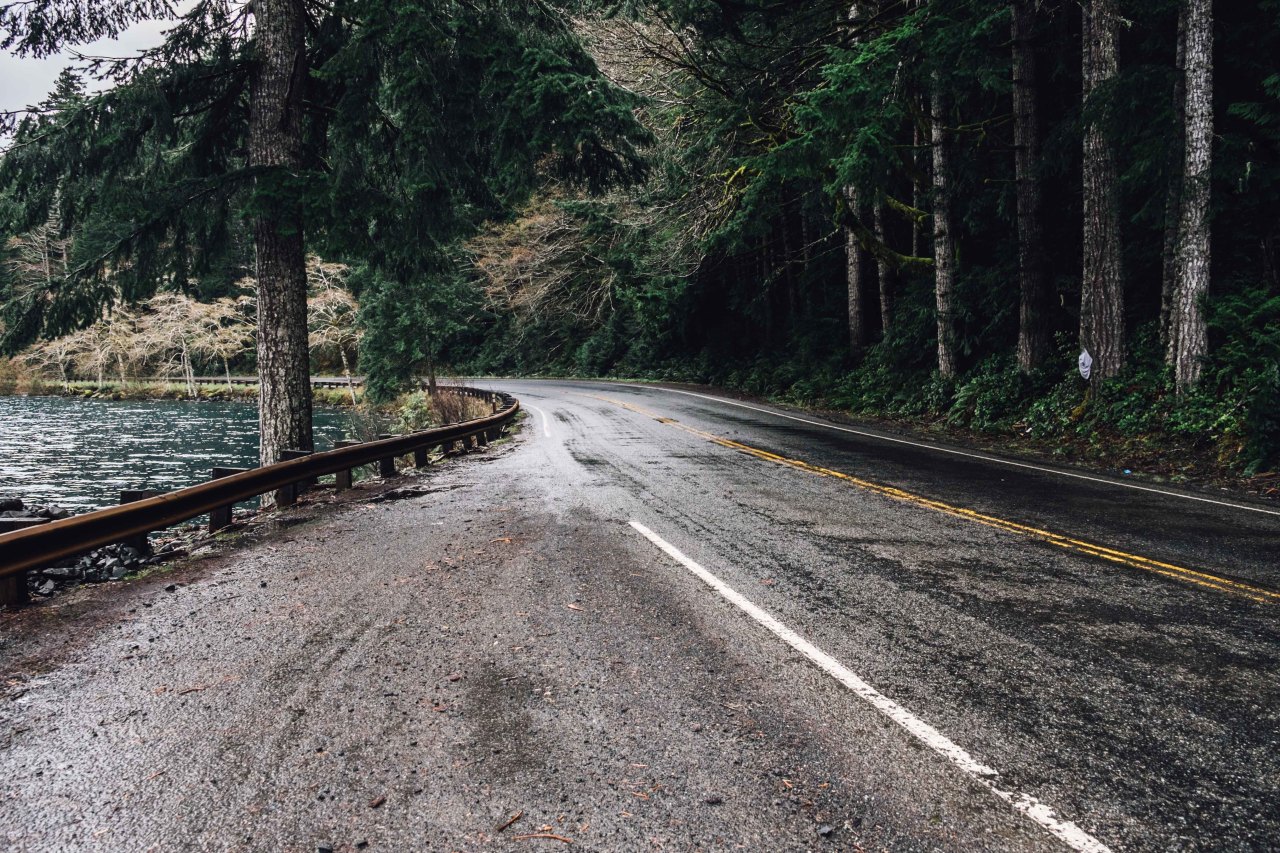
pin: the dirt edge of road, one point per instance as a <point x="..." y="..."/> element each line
<point x="39" y="637"/>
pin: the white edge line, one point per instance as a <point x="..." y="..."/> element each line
<point x="954" y="452"/>
<point x="1067" y="832"/>
<point x="546" y="421"/>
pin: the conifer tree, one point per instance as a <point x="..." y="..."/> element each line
<point x="1189" y="337"/>
<point x="1033" y="330"/>
<point x="1102" y="320"/>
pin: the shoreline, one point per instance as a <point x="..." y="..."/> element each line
<point x="172" y="391"/>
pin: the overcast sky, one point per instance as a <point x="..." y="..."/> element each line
<point x="25" y="82"/>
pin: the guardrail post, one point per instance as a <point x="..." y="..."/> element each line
<point x="220" y="517"/>
<point x="387" y="464"/>
<point x="342" y="479"/>
<point x="13" y="588"/>
<point x="421" y="457"/>
<point x="288" y="495"/>
<point x="482" y="438"/>
<point x="128" y="496"/>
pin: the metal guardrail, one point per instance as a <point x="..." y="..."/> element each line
<point x="249" y="382"/>
<point x="43" y="545"/>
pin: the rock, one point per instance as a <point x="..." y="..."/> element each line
<point x="17" y="513"/>
<point x="11" y="505"/>
<point x="46" y="588"/>
<point x="173" y="587"/>
<point x="61" y="574"/>
<point x="51" y="511"/>
<point x="713" y="799"/>
<point x="119" y="573"/>
<point x="826" y="830"/>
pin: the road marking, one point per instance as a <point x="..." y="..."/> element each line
<point x="994" y="459"/>
<point x="546" y="421"/>
<point x="1146" y="564"/>
<point x="1067" y="832"/>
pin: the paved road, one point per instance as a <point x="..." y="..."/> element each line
<point x="664" y="621"/>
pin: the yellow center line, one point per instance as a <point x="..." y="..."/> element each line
<point x="1199" y="578"/>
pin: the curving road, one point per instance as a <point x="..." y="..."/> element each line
<point x="662" y="620"/>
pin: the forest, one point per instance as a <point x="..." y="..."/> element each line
<point x="1051" y="221"/>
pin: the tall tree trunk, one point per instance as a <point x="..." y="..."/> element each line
<point x="1102" y="287"/>
<point x="1033" y="291"/>
<point x="884" y="274"/>
<point x="944" y="269"/>
<point x="1193" y="232"/>
<point x="275" y="143"/>
<point x="1173" y="197"/>
<point x="917" y="191"/>
<point x="852" y="249"/>
<point x="853" y="278"/>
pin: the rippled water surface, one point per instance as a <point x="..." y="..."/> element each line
<point x="80" y="454"/>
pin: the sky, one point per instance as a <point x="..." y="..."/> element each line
<point x="25" y="82"/>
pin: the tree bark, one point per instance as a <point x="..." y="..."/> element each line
<point x="853" y="278"/>
<point x="1173" y="197"/>
<point x="1193" y="261"/>
<point x="943" y="243"/>
<point x="1102" y="287"/>
<point x="884" y="274"/>
<point x="1033" y="291"/>
<point x="852" y="248"/>
<point x="275" y="147"/>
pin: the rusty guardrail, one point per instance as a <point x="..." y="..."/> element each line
<point x="43" y="545"/>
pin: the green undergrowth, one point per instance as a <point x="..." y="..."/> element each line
<point x="1229" y="428"/>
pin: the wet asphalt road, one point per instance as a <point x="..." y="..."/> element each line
<point x="408" y="675"/>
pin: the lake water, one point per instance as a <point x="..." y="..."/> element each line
<point x="80" y="454"/>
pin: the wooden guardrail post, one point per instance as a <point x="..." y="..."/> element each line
<point x="13" y="588"/>
<point x="387" y="464"/>
<point x="342" y="479"/>
<point x="422" y="456"/>
<point x="128" y="496"/>
<point x="288" y="495"/>
<point x="220" y="517"/>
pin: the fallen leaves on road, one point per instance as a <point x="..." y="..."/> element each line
<point x="573" y="607"/>
<point x="377" y="801"/>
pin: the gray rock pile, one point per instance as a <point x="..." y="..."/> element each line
<point x="15" y="508"/>
<point x="111" y="563"/>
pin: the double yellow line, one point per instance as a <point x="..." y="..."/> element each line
<point x="1146" y="564"/>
